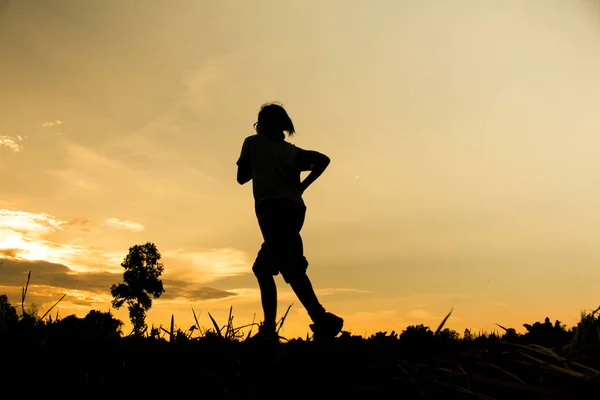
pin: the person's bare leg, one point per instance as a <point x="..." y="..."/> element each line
<point x="268" y="297"/>
<point x="303" y="288"/>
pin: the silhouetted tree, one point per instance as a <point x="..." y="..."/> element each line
<point x="382" y="337"/>
<point x="416" y="334"/>
<point x="103" y="324"/>
<point x="95" y="325"/>
<point x="8" y="314"/>
<point x="547" y="334"/>
<point x="467" y="336"/>
<point x="32" y="311"/>
<point x="587" y="331"/>
<point x="141" y="280"/>
<point x="449" y="334"/>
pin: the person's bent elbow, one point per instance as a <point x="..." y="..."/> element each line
<point x="324" y="162"/>
<point x="243" y="176"/>
<point x="243" y="180"/>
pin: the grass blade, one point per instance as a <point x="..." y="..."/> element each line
<point x="567" y="371"/>
<point x="218" y="331"/>
<point x="505" y="329"/>
<point x="229" y="330"/>
<point x="595" y="371"/>
<point x="282" y="320"/>
<point x="546" y="351"/>
<point x="540" y="362"/>
<point x="251" y="325"/>
<point x="507" y="373"/>
<point x="50" y="309"/>
<point x="438" y="330"/>
<point x="196" y="320"/>
<point x="24" y="293"/>
<point x="172" y="330"/>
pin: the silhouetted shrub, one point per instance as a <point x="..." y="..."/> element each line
<point x="546" y="334"/>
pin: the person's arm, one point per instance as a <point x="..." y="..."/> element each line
<point x="313" y="161"/>
<point x="244" y="174"/>
<point x="244" y="171"/>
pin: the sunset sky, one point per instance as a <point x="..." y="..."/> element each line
<point x="463" y="137"/>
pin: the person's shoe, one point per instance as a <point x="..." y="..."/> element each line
<point x="328" y="327"/>
<point x="265" y="335"/>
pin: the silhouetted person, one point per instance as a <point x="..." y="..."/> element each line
<point x="274" y="166"/>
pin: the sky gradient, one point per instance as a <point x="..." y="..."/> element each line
<point x="463" y="139"/>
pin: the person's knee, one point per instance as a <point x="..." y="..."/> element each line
<point x="264" y="271"/>
<point x="259" y="271"/>
<point x="263" y="264"/>
<point x="295" y="276"/>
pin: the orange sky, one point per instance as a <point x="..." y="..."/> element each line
<point x="463" y="137"/>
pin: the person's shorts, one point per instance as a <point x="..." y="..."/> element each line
<point x="282" y="251"/>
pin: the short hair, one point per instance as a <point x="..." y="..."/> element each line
<point x="273" y="120"/>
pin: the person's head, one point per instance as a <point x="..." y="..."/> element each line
<point x="273" y="121"/>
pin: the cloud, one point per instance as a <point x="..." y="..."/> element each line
<point x="78" y="224"/>
<point x="12" y="143"/>
<point x="49" y="281"/>
<point x="122" y="224"/>
<point x="14" y="272"/>
<point x="9" y="253"/>
<point x="91" y="171"/>
<point x="62" y="263"/>
<point x="330" y="291"/>
<point x="419" y="314"/>
<point x="51" y="123"/>
<point x="130" y="171"/>
<point x="180" y="290"/>
<point x="61" y="278"/>
<point x="25" y="233"/>
<point x="203" y="266"/>
<point x="26" y="221"/>
<point x="30" y="236"/>
<point x="23" y="236"/>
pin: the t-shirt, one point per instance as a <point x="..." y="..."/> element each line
<point x="274" y="173"/>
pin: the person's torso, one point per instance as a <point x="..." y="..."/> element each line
<point x="273" y="173"/>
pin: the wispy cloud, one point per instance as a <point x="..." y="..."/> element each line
<point x="331" y="291"/>
<point x="94" y="285"/>
<point x="77" y="224"/>
<point x="123" y="224"/>
<point x="419" y="314"/>
<point x="51" y="123"/>
<point x="106" y="173"/>
<point x="88" y="170"/>
<point x="177" y="290"/>
<point x="12" y="143"/>
<point x="23" y="235"/>
<point x="85" y="290"/>
<point x="28" y="236"/>
<point x="25" y="222"/>
<point x="203" y="266"/>
<point x="59" y="276"/>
